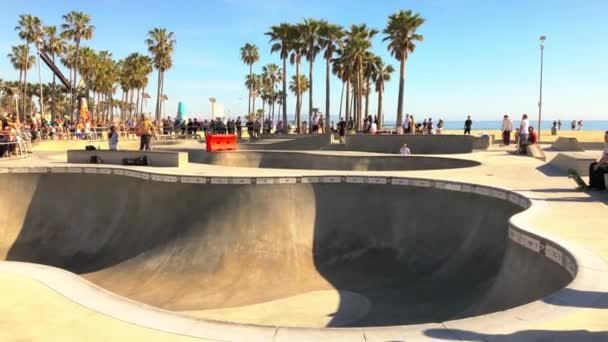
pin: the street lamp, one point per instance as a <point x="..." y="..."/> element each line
<point x="540" y="96"/>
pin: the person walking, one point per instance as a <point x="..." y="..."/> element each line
<point x="113" y="138"/>
<point x="467" y="125"/>
<point x="145" y="129"/>
<point x="342" y="125"/>
<point x="507" y="127"/>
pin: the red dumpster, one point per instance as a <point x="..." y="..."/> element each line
<point x="221" y="142"/>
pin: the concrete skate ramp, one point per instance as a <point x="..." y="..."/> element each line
<point x="414" y="254"/>
<point x="327" y="161"/>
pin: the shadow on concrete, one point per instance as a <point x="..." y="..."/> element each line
<point x="551" y="171"/>
<point x="579" y="299"/>
<point x="519" y="336"/>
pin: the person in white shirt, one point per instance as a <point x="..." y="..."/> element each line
<point x="507" y="127"/>
<point x="405" y="150"/>
<point x="524" y="126"/>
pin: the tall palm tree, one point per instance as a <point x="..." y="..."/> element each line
<point x="357" y="44"/>
<point x="298" y="86"/>
<point x="76" y="27"/>
<point x="402" y="37"/>
<point x="310" y="35"/>
<point x="382" y="73"/>
<point x="29" y="29"/>
<point x="369" y="67"/>
<point x="56" y="46"/>
<point x="249" y="55"/>
<point x="161" y="45"/>
<point x="280" y="39"/>
<point x="297" y="50"/>
<point x="22" y="61"/>
<point x="272" y="73"/>
<point x="253" y="82"/>
<point x="330" y="41"/>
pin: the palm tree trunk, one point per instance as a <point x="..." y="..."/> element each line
<point x="53" y="107"/>
<point x="367" y="97"/>
<point x="111" y="107"/>
<point x="137" y="103"/>
<point x="341" y="98"/>
<point x="27" y="52"/>
<point x="285" y="129"/>
<point x="327" y="93"/>
<point x="75" y="84"/>
<point x="380" y="115"/>
<point x="347" y="108"/>
<point x="401" y="93"/>
<point x="157" y="111"/>
<point x="162" y="92"/>
<point x="298" y="119"/>
<point x="131" y="105"/>
<point x="310" y="66"/>
<point x="249" y="88"/>
<point x="141" y="108"/>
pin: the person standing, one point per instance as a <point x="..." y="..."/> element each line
<point x="113" y="138"/>
<point x="406" y="124"/>
<point x="342" y="125"/>
<point x="573" y="124"/>
<point x="524" y="126"/>
<point x="559" y="124"/>
<point x="467" y="125"/>
<point x="507" y="127"/>
<point x="439" y="126"/>
<point x="144" y="130"/>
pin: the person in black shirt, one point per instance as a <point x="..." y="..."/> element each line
<point x="342" y="129"/>
<point x="467" y="125"/>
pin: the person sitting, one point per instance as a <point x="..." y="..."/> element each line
<point x="531" y="139"/>
<point x="405" y="150"/>
<point x="598" y="169"/>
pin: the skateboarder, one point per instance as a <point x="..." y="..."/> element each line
<point x="598" y="169"/>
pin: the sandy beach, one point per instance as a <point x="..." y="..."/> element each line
<point x="546" y="137"/>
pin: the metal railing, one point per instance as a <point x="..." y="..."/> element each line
<point x="20" y="147"/>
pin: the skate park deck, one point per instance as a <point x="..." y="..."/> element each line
<point x="550" y="196"/>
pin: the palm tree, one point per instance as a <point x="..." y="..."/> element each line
<point x="249" y="55"/>
<point x="56" y="47"/>
<point x="297" y="50"/>
<point x="21" y="61"/>
<point x="161" y="45"/>
<point x="76" y="28"/>
<point x="29" y="29"/>
<point x="357" y="44"/>
<point x="272" y="73"/>
<point x="369" y="67"/>
<point x="253" y="82"/>
<point x="402" y="37"/>
<point x="280" y="37"/>
<point x="298" y="86"/>
<point x="310" y="35"/>
<point x="382" y="73"/>
<point x="330" y="40"/>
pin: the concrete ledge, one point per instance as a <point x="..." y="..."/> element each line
<point x="482" y="143"/>
<point x="566" y="144"/>
<point x="572" y="160"/>
<point x="419" y="144"/>
<point x="157" y="158"/>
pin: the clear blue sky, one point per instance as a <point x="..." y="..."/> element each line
<point x="479" y="57"/>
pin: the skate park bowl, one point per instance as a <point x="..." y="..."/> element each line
<point x="327" y="161"/>
<point x="306" y="252"/>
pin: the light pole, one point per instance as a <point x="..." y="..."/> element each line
<point x="540" y="96"/>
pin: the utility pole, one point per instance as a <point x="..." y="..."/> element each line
<point x="540" y="96"/>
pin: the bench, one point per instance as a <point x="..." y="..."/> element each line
<point x="572" y="160"/>
<point x="157" y="158"/>
<point x="566" y="144"/>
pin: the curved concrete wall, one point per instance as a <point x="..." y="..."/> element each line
<point x="445" y="249"/>
<point x="419" y="144"/>
<point x="317" y="161"/>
